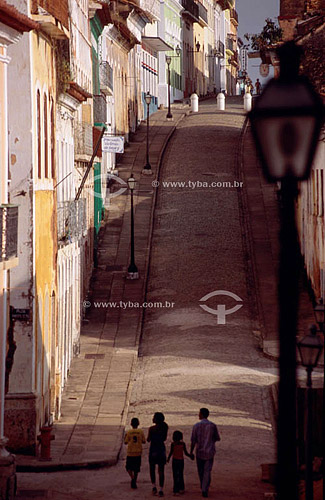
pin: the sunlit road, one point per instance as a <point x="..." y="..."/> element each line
<point x="188" y="359"/>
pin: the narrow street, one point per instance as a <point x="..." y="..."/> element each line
<point x="188" y="358"/>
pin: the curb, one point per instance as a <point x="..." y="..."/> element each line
<point x="256" y="309"/>
<point x="56" y="466"/>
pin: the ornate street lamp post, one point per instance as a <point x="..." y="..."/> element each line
<point x="320" y="318"/>
<point x="168" y="61"/>
<point x="132" y="269"/>
<point x="310" y="348"/>
<point x="147" y="168"/>
<point x="286" y="122"/>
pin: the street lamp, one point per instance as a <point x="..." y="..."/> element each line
<point x="168" y="61"/>
<point x="310" y="348"/>
<point x="286" y="120"/>
<point x="132" y="269"/>
<point x="147" y="168"/>
<point x="319" y="311"/>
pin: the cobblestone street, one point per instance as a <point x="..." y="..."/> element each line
<point x="188" y="358"/>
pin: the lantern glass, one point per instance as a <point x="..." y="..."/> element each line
<point x="319" y="311"/>
<point x="286" y="122"/>
<point x="168" y="60"/>
<point x="148" y="98"/>
<point x="310" y="348"/>
<point x="131" y="183"/>
<point x="178" y="50"/>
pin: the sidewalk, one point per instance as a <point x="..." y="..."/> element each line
<point x="261" y="223"/>
<point x="96" y="394"/>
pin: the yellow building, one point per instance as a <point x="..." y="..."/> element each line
<point x="32" y="94"/>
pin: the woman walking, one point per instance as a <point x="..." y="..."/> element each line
<point x="157" y="436"/>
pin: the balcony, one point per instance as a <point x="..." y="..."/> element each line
<point x="203" y="15"/>
<point x="100" y="109"/>
<point x="83" y="139"/>
<point x="226" y="4"/>
<point x="230" y="44"/>
<point x="53" y="17"/>
<point x="8" y="236"/>
<point x="106" y="78"/>
<point x="234" y="16"/>
<point x="220" y="49"/>
<point x="71" y="220"/>
<point x="191" y="10"/>
<point x="151" y="7"/>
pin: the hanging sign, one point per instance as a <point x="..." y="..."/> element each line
<point x="113" y="144"/>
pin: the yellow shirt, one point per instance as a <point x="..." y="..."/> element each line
<point x="134" y="439"/>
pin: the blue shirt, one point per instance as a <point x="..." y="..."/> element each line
<point x="204" y="436"/>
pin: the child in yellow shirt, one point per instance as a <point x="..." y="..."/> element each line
<point x="134" y="438"/>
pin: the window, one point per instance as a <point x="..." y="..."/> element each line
<point x="46" y="159"/>
<point x="39" y="147"/>
<point x="321" y="193"/>
<point x="52" y="140"/>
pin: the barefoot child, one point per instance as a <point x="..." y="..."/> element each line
<point x="134" y="438"/>
<point x="177" y="450"/>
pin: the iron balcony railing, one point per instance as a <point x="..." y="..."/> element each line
<point x="192" y="8"/>
<point x="8" y="232"/>
<point x="71" y="220"/>
<point x="106" y="78"/>
<point x="203" y="13"/>
<point x="230" y="44"/>
<point x="100" y="109"/>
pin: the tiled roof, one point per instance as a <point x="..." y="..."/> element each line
<point x="10" y="16"/>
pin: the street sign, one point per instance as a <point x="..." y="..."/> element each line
<point x="264" y="70"/>
<point x="20" y="314"/>
<point x="113" y="144"/>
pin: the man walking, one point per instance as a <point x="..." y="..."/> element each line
<point x="204" y="436"/>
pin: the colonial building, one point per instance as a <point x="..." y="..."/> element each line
<point x="13" y="24"/>
<point x="304" y="22"/>
<point x="32" y="93"/>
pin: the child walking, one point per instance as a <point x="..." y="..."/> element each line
<point x="134" y="438"/>
<point x="177" y="451"/>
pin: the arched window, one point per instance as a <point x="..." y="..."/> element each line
<point x="52" y="140"/>
<point x="46" y="155"/>
<point x="39" y="144"/>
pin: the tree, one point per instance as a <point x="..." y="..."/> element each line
<point x="269" y="36"/>
<point x="313" y="62"/>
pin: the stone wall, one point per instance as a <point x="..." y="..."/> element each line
<point x="288" y="8"/>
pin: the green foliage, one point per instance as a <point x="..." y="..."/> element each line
<point x="313" y="62"/>
<point x="270" y="35"/>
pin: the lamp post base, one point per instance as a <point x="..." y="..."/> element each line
<point x="169" y="116"/>
<point x="147" y="169"/>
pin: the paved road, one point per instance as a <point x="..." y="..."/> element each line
<point x="188" y="359"/>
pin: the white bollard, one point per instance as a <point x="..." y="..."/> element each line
<point x="221" y="100"/>
<point x="247" y="101"/>
<point x="194" y="103"/>
<point x="237" y="88"/>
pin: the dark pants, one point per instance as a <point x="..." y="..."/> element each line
<point x="161" y="473"/>
<point x="204" y="468"/>
<point x="178" y="475"/>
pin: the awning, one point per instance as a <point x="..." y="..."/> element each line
<point x="156" y="44"/>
